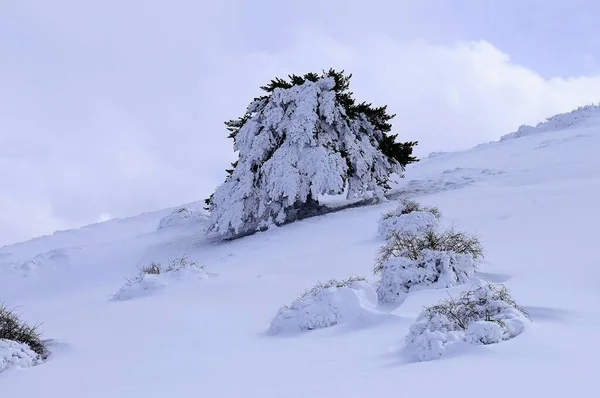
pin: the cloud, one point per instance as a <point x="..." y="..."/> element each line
<point x="121" y="113"/>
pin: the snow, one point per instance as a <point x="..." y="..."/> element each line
<point x="183" y="217"/>
<point x="327" y="305"/>
<point x="432" y="270"/>
<point x="297" y="144"/>
<point x="147" y="283"/>
<point x="584" y="116"/>
<point x="16" y="355"/>
<point x="478" y="316"/>
<point x="531" y="200"/>
<point x="414" y="222"/>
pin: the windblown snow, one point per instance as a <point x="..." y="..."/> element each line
<point x="531" y="198"/>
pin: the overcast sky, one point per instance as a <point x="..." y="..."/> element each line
<point x="112" y="108"/>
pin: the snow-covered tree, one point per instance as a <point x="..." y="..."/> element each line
<point x="307" y="137"/>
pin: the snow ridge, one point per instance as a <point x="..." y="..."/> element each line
<point x="584" y="115"/>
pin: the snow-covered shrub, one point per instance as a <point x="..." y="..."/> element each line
<point x="181" y="216"/>
<point x="155" y="277"/>
<point x="410" y="217"/>
<point x="20" y="343"/>
<point x="432" y="270"/>
<point x="15" y="354"/>
<point x="409" y="244"/>
<point x="305" y="138"/>
<point x="433" y="260"/>
<point x="576" y="117"/>
<point x="324" y="305"/>
<point x="483" y="315"/>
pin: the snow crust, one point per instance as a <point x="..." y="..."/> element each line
<point x="16" y="355"/>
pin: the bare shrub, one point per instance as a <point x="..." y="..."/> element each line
<point x="181" y="262"/>
<point x="151" y="269"/>
<point x="176" y="264"/>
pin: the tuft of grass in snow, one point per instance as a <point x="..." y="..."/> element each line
<point x="411" y="245"/>
<point x="155" y="277"/>
<point x="151" y="269"/>
<point x="182" y="262"/>
<point x="176" y="264"/>
<point x="14" y="329"/>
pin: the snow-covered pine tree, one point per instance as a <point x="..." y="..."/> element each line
<point x="306" y="137"/>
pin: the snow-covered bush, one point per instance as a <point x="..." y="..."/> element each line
<point x="483" y="315"/>
<point x="15" y="354"/>
<point x="181" y="216"/>
<point x="155" y="277"/>
<point x="20" y="343"/>
<point x="410" y="217"/>
<point x="307" y="137"/>
<point x="410" y="245"/>
<point x="576" y="117"/>
<point x="432" y="270"/>
<point x="409" y="262"/>
<point x="324" y="305"/>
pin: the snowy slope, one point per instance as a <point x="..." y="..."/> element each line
<point x="532" y="199"/>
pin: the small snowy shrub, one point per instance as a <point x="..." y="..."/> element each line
<point x="20" y="343"/>
<point x="483" y="315"/>
<point x="410" y="245"/>
<point x="324" y="305"/>
<point x="433" y="260"/>
<point x="155" y="277"/>
<point x="414" y="222"/>
<point x="431" y="270"/>
<point x="408" y="206"/>
<point x="13" y="353"/>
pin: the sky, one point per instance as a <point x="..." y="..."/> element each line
<point x="113" y="108"/>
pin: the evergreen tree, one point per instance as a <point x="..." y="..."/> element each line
<point x="306" y="137"/>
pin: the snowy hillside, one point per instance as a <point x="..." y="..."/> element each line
<point x="208" y="330"/>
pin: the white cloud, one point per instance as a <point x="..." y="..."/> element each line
<point x="125" y="121"/>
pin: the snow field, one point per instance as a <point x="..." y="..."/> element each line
<point x="534" y="215"/>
